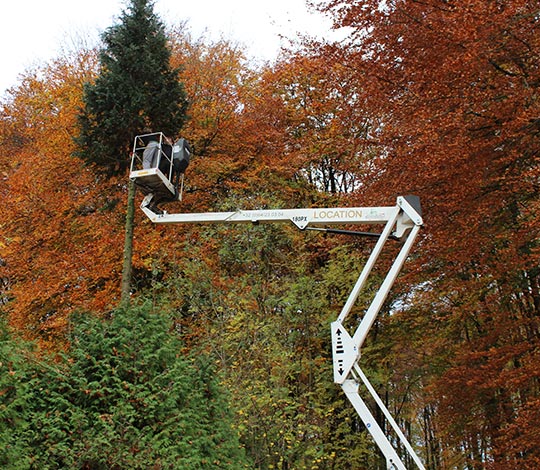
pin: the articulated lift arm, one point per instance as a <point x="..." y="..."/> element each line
<point x="402" y="222"/>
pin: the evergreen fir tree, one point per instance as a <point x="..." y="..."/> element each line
<point x="124" y="396"/>
<point x="136" y="90"/>
<point x="15" y="396"/>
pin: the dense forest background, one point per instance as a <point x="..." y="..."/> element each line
<point x="226" y="343"/>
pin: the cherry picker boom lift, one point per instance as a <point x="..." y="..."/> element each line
<point x="401" y="222"/>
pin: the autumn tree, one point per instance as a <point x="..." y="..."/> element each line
<point x="55" y="208"/>
<point x="457" y="83"/>
<point x="325" y="124"/>
<point x="227" y="159"/>
<point x="62" y="226"/>
<point x="242" y="293"/>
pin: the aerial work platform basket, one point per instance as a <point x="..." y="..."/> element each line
<point x="158" y="166"/>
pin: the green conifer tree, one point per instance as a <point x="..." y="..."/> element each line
<point x="124" y="396"/>
<point x="15" y="396"/>
<point x="135" y="90"/>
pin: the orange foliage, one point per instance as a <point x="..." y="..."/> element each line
<point x="456" y="85"/>
<point x="58" y="233"/>
<point x="434" y="98"/>
<point x="63" y="228"/>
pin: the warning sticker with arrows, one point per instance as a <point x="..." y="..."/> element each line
<point x="344" y="352"/>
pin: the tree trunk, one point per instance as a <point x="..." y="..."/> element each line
<point x="128" y="247"/>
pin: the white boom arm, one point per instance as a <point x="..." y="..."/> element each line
<point x="402" y="221"/>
